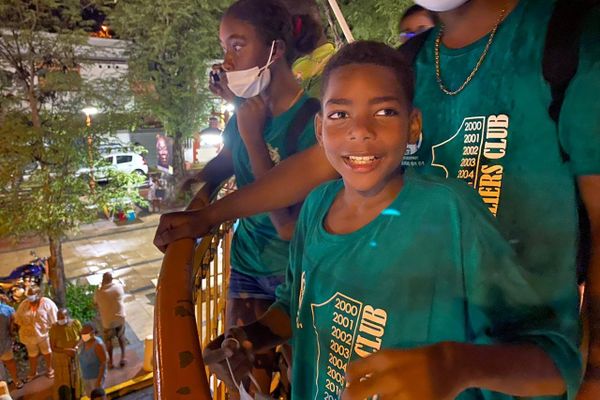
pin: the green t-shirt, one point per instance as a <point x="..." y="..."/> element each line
<point x="256" y="249"/>
<point x="431" y="267"/>
<point x="497" y="136"/>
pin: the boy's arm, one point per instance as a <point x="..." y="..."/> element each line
<point x="286" y="184"/>
<point x="444" y="370"/>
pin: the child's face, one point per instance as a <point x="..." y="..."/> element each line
<point x="242" y="45"/>
<point x="366" y="125"/>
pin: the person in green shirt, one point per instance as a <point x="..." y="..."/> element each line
<point x="497" y="135"/>
<point x="258" y="39"/>
<point x="401" y="285"/>
<point x="313" y="50"/>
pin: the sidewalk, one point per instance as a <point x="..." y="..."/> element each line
<point x="124" y="250"/>
<point x="102" y="227"/>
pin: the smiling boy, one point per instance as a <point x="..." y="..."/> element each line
<point x="401" y="285"/>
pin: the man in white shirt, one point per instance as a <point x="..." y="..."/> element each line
<point x="109" y="301"/>
<point x="34" y="317"/>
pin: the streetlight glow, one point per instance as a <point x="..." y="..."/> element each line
<point x="89" y="111"/>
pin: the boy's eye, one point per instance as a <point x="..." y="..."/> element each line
<point x="386" y="112"/>
<point x="338" y="115"/>
<point x="237" y="47"/>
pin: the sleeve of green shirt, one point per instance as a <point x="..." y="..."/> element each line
<point x="579" y="125"/>
<point x="229" y="131"/>
<point x="307" y="138"/>
<point x="503" y="307"/>
<point x="287" y="290"/>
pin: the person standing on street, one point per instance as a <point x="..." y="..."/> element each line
<point x="92" y="358"/>
<point x="64" y="338"/>
<point x="109" y="301"/>
<point x="6" y="340"/>
<point x="35" y="316"/>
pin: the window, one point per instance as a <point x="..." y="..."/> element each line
<point x="124" y="159"/>
<point x="108" y="160"/>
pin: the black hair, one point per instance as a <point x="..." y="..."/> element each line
<point x="311" y="25"/>
<point x="375" y="53"/>
<point x="273" y="21"/>
<point x="97" y="393"/>
<point x="415" y="9"/>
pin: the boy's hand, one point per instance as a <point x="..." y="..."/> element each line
<point x="179" y="225"/>
<point x="425" y="373"/>
<point x="233" y="345"/>
<point x="251" y="117"/>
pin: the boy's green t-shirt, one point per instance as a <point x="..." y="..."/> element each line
<point x="256" y="249"/>
<point x="497" y="136"/>
<point x="431" y="267"/>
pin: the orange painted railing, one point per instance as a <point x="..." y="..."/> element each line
<point x="211" y="265"/>
<point x="179" y="371"/>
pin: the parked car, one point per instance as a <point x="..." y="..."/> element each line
<point x="127" y="162"/>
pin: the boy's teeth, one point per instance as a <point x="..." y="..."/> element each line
<point x="361" y="160"/>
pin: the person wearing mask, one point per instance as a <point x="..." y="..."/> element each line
<point x="34" y="317"/>
<point x="312" y="51"/>
<point x="415" y="20"/>
<point x="7" y="329"/>
<point x="92" y="359"/>
<point x="64" y="338"/>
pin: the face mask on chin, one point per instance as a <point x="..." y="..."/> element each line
<point x="440" y="5"/>
<point x="62" y="321"/>
<point x="86" y="337"/>
<point x="32" y="299"/>
<point x="251" y="82"/>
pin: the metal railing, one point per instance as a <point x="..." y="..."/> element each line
<point x="211" y="272"/>
<point x="190" y="311"/>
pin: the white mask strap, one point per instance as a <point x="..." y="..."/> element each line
<point x="252" y="378"/>
<point x="270" y="60"/>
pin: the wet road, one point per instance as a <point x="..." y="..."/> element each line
<point x="126" y="251"/>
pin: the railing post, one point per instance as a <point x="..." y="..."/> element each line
<point x="179" y="371"/>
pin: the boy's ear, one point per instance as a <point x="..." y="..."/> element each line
<point x="415" y="126"/>
<point x="319" y="128"/>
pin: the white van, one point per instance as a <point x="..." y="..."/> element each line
<point x="127" y="162"/>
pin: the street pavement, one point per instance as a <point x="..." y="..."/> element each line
<point x="127" y="252"/>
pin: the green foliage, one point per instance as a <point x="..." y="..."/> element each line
<point x="374" y="19"/>
<point x="172" y="43"/>
<point x="43" y="134"/>
<point x="44" y="140"/>
<point x="80" y="302"/>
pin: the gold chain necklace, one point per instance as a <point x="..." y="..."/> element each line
<point x="438" y="70"/>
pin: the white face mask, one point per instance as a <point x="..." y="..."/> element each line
<point x="86" y="337"/>
<point x="32" y="298"/>
<point x="62" y="321"/>
<point x="440" y="5"/>
<point x="251" y="82"/>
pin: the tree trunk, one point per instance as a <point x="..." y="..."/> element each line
<point x="178" y="157"/>
<point x="56" y="267"/>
